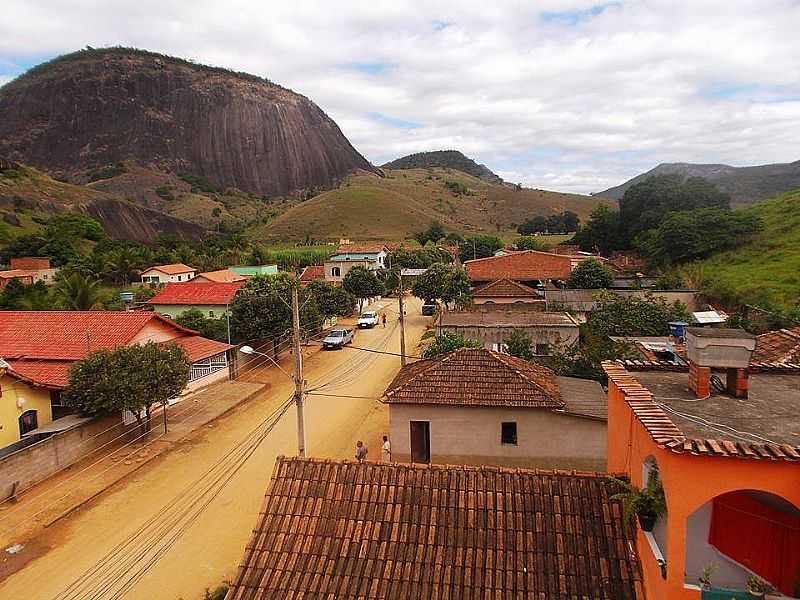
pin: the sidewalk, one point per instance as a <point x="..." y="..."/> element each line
<point x="65" y="492"/>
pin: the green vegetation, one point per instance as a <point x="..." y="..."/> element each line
<point x="433" y="233"/>
<point x="479" y="246"/>
<point x="362" y="284"/>
<point x="443" y="282"/>
<point x="77" y="292"/>
<point x="165" y="192"/>
<point x="106" y="172"/>
<point x="520" y="344"/>
<point x="590" y="274"/>
<point x="564" y="222"/>
<point x="62" y="239"/>
<point x="198" y="183"/>
<point x="133" y="378"/>
<point x="214" y="329"/>
<point x="529" y="242"/>
<point x="457" y="188"/>
<point x="619" y="315"/>
<point x="444" y="159"/>
<point x="333" y="301"/>
<point x="447" y="342"/>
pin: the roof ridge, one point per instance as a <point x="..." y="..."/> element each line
<point x="504" y="358"/>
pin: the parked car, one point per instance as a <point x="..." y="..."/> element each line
<point x="337" y="338"/>
<point x="429" y="309"/>
<point x="368" y="320"/>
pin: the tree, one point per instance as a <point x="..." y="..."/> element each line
<point x="622" y="316"/>
<point x="130" y="378"/>
<point x="528" y="242"/>
<point x="332" y="301"/>
<point x="447" y="342"/>
<point x="78" y="292"/>
<point x="602" y="232"/>
<point x="362" y="283"/>
<point x="433" y="233"/>
<point x="520" y="344"/>
<point x="442" y="282"/>
<point x="214" y="329"/>
<point x="479" y="246"/>
<point x="590" y="274"/>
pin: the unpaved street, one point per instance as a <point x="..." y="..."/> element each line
<point x="208" y="553"/>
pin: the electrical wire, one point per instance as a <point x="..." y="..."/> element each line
<point x="718" y="427"/>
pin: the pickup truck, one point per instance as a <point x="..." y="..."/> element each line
<point x="337" y="338"/>
<point x="368" y="320"/>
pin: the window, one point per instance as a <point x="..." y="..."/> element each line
<point x="508" y="433"/>
<point x="211" y="314"/>
<point x="180" y="277"/>
<point x="499" y="347"/>
<point x="336" y="272"/>
<point x="542" y="349"/>
<point x="28" y="421"/>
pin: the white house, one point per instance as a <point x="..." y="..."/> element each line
<point x="347" y="256"/>
<point x="174" y="273"/>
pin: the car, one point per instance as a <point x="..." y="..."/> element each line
<point x="368" y="320"/>
<point x="429" y="309"/>
<point x="337" y="338"/>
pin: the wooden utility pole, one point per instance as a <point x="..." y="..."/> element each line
<point x="402" y="321"/>
<point x="298" y="375"/>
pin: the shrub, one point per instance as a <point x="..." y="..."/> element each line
<point x="107" y="172"/>
<point x="198" y="183"/>
<point x="165" y="192"/>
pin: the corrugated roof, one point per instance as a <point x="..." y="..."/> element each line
<point x="475" y="377"/>
<point x="197" y="293"/>
<point x="345" y="530"/>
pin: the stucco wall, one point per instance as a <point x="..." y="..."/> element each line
<point x="12" y="390"/>
<point x="561" y="336"/>
<point x="175" y="310"/>
<point x="344" y="266"/>
<point x="471" y="435"/>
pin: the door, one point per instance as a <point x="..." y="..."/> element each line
<point x="420" y="441"/>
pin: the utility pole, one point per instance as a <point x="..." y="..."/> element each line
<point x="298" y="375"/>
<point x="402" y="321"/>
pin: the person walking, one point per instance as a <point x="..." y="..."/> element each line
<point x="383" y="320"/>
<point x="386" y="450"/>
<point x="361" y="451"/>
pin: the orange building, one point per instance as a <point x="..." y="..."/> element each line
<point x="729" y="463"/>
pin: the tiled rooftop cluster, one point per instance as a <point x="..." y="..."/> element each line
<point x="528" y="265"/>
<point x="344" y="530"/>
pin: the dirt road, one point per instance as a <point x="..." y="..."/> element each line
<point x="208" y="553"/>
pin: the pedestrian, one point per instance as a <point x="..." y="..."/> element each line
<point x="386" y="450"/>
<point x="383" y="320"/>
<point x="361" y="451"/>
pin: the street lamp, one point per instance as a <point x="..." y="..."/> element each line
<point x="248" y="350"/>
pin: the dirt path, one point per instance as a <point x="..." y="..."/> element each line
<point x="210" y="550"/>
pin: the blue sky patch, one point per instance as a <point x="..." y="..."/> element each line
<point x="393" y="121"/>
<point x="440" y="25"/>
<point x="369" y="68"/>
<point x="573" y="17"/>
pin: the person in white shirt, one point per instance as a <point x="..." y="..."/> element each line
<point x="386" y="450"/>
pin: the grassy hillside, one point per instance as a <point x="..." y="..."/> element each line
<point x="366" y="206"/>
<point x="766" y="271"/>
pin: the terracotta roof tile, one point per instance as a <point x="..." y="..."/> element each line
<point x="196" y="293"/>
<point x="173" y="269"/>
<point x="15" y="273"/>
<point x="475" y="377"/>
<point x="504" y="288"/>
<point x="781" y="346"/>
<point x="344" y="530"/>
<point x="528" y="265"/>
<point x="199" y="348"/>
<point x="221" y="276"/>
<point x="312" y="273"/>
<point x="53" y="374"/>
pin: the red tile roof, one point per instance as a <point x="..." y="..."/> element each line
<point x="221" y="276"/>
<point x="504" y="288"/>
<point x="192" y="292"/>
<point x="475" y="377"/>
<point x="173" y="269"/>
<point x="15" y="273"/>
<point x="199" y="348"/>
<point x="528" y="265"/>
<point x="344" y="530"/>
<point x="781" y="346"/>
<point x="52" y="374"/>
<point x="666" y="434"/>
<point x="312" y="273"/>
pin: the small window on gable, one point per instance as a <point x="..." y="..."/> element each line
<point x="508" y="433"/>
<point x="211" y="314"/>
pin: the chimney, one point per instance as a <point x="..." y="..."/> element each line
<point x="728" y="349"/>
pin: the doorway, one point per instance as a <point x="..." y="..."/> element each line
<point x="420" y="441"/>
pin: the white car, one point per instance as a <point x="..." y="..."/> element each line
<point x="337" y="338"/>
<point x="368" y="320"/>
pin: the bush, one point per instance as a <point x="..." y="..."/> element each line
<point x="165" y="192"/>
<point x="590" y="274"/>
<point x="198" y="183"/>
<point x="459" y="189"/>
<point x="447" y="342"/>
<point x="107" y="172"/>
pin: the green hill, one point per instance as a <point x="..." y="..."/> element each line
<point x="765" y="271"/>
<point x="450" y="159"/>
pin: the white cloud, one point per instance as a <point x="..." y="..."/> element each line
<point x="577" y="107"/>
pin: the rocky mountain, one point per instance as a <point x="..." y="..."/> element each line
<point x="83" y="113"/>
<point x="450" y="159"/>
<point x="745" y="184"/>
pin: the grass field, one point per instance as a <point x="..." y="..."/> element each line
<point x="765" y="271"/>
<point x="368" y="207"/>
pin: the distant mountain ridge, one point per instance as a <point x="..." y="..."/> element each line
<point x="744" y="184"/>
<point x="450" y="159"/>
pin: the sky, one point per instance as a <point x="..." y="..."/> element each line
<point x="563" y="95"/>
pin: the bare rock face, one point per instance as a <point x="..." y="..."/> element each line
<point x="95" y="108"/>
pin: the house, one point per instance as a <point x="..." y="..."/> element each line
<point x="252" y="271"/>
<point x="312" y="273"/>
<point x="526" y="266"/>
<point x="351" y="531"/>
<point x="174" y="273"/>
<point x="474" y="406"/>
<point x="221" y="276"/>
<point x="506" y="291"/>
<point x="493" y="326"/>
<point x="39" y="347"/>
<point x="24" y="277"/>
<point x="212" y="299"/>
<point x="347" y="256"/>
<point x="728" y="456"/>
<point x="582" y="301"/>
<point x="39" y="266"/>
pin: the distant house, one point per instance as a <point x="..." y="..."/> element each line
<point x="39" y="266"/>
<point x="506" y="291"/>
<point x="38" y="348"/>
<point x="174" y="273"/>
<point x="781" y="346"/>
<point x="492" y="327"/>
<point x="475" y="406"/>
<point x="529" y="266"/>
<point x="251" y="271"/>
<point x="338" y="529"/>
<point x="312" y="273"/>
<point x="24" y="277"/>
<point x="221" y="276"/>
<point x="212" y="299"/>
<point x="347" y="256"/>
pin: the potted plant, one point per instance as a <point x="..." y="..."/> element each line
<point x="705" y="576"/>
<point x="758" y="587"/>
<point x="648" y="503"/>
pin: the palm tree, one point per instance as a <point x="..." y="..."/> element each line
<point x="77" y="292"/>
